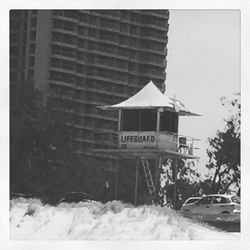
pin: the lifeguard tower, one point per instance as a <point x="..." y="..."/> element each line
<point x="148" y="129"/>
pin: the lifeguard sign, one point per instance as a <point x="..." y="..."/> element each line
<point x="149" y="121"/>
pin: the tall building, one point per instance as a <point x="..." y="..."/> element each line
<point x="82" y="59"/>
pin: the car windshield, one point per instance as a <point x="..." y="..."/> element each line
<point x="236" y="199"/>
<point x="191" y="201"/>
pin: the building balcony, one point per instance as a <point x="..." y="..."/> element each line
<point x="107" y="91"/>
<point x="127" y="57"/>
<point x="64" y="31"/>
<point x="69" y="58"/>
<point x="81" y="126"/>
<point x="154" y="13"/>
<point x="129" y="47"/>
<point x="110" y="91"/>
<point x="64" y="44"/>
<point x="60" y="16"/>
<point x="115" y="27"/>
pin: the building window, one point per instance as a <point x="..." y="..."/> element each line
<point x="25" y="25"/>
<point x="13" y="63"/>
<point x="122" y="52"/>
<point x="124" y="40"/>
<point x="133" y="42"/>
<point x="31" y="61"/>
<point x="108" y="36"/>
<point x="82" y="43"/>
<point x="15" y="13"/>
<point x="32" y="48"/>
<point x="62" y="64"/>
<point x="124" y="27"/>
<point x="93" y="33"/>
<point x="58" y="24"/>
<point x="135" y="17"/>
<point x="15" y="25"/>
<point x="33" y="35"/>
<point x="33" y="22"/>
<point x="61" y="76"/>
<point x="81" y="56"/>
<point x="106" y="48"/>
<point x="114" y="13"/>
<point x="24" y="37"/>
<point x="58" y="50"/>
<point x="84" y="17"/>
<point x="132" y="79"/>
<point x="14" y="51"/>
<point x="79" y="68"/>
<point x="68" y="39"/>
<point x="13" y="76"/>
<point x="71" y="14"/>
<point x="81" y="30"/>
<point x="121" y="64"/>
<point x="92" y="20"/>
<point x="134" y="30"/>
<point x="124" y="14"/>
<point x="31" y="73"/>
<point x="111" y="24"/>
<point x="14" y="37"/>
<point x="24" y="51"/>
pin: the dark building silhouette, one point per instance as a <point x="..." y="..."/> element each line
<point x="81" y="59"/>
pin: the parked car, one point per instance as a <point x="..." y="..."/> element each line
<point x="19" y="195"/>
<point x="214" y="204"/>
<point x="75" y="197"/>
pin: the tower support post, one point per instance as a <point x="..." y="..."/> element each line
<point x="175" y="165"/>
<point x="116" y="179"/>
<point x="136" y="180"/>
<point x="158" y="167"/>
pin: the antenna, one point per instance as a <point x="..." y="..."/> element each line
<point x="176" y="107"/>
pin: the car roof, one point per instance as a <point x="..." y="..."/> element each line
<point x="222" y="195"/>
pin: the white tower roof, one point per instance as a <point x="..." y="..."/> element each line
<point x="151" y="97"/>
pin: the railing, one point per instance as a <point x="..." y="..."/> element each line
<point x="184" y="144"/>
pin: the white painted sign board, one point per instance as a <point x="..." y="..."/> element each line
<point x="147" y="140"/>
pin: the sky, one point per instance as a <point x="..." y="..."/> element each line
<point x="203" y="65"/>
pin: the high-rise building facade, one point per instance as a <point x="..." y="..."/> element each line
<point x="82" y="59"/>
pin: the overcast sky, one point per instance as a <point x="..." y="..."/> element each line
<point x="203" y="65"/>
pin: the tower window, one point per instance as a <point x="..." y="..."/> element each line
<point x="139" y="120"/>
<point x="169" y="122"/>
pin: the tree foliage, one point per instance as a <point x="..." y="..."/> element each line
<point x="187" y="182"/>
<point x="42" y="162"/>
<point x="224" y="151"/>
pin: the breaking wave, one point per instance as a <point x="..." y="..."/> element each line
<point x="114" y="220"/>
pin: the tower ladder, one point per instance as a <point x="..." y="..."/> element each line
<point x="149" y="179"/>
